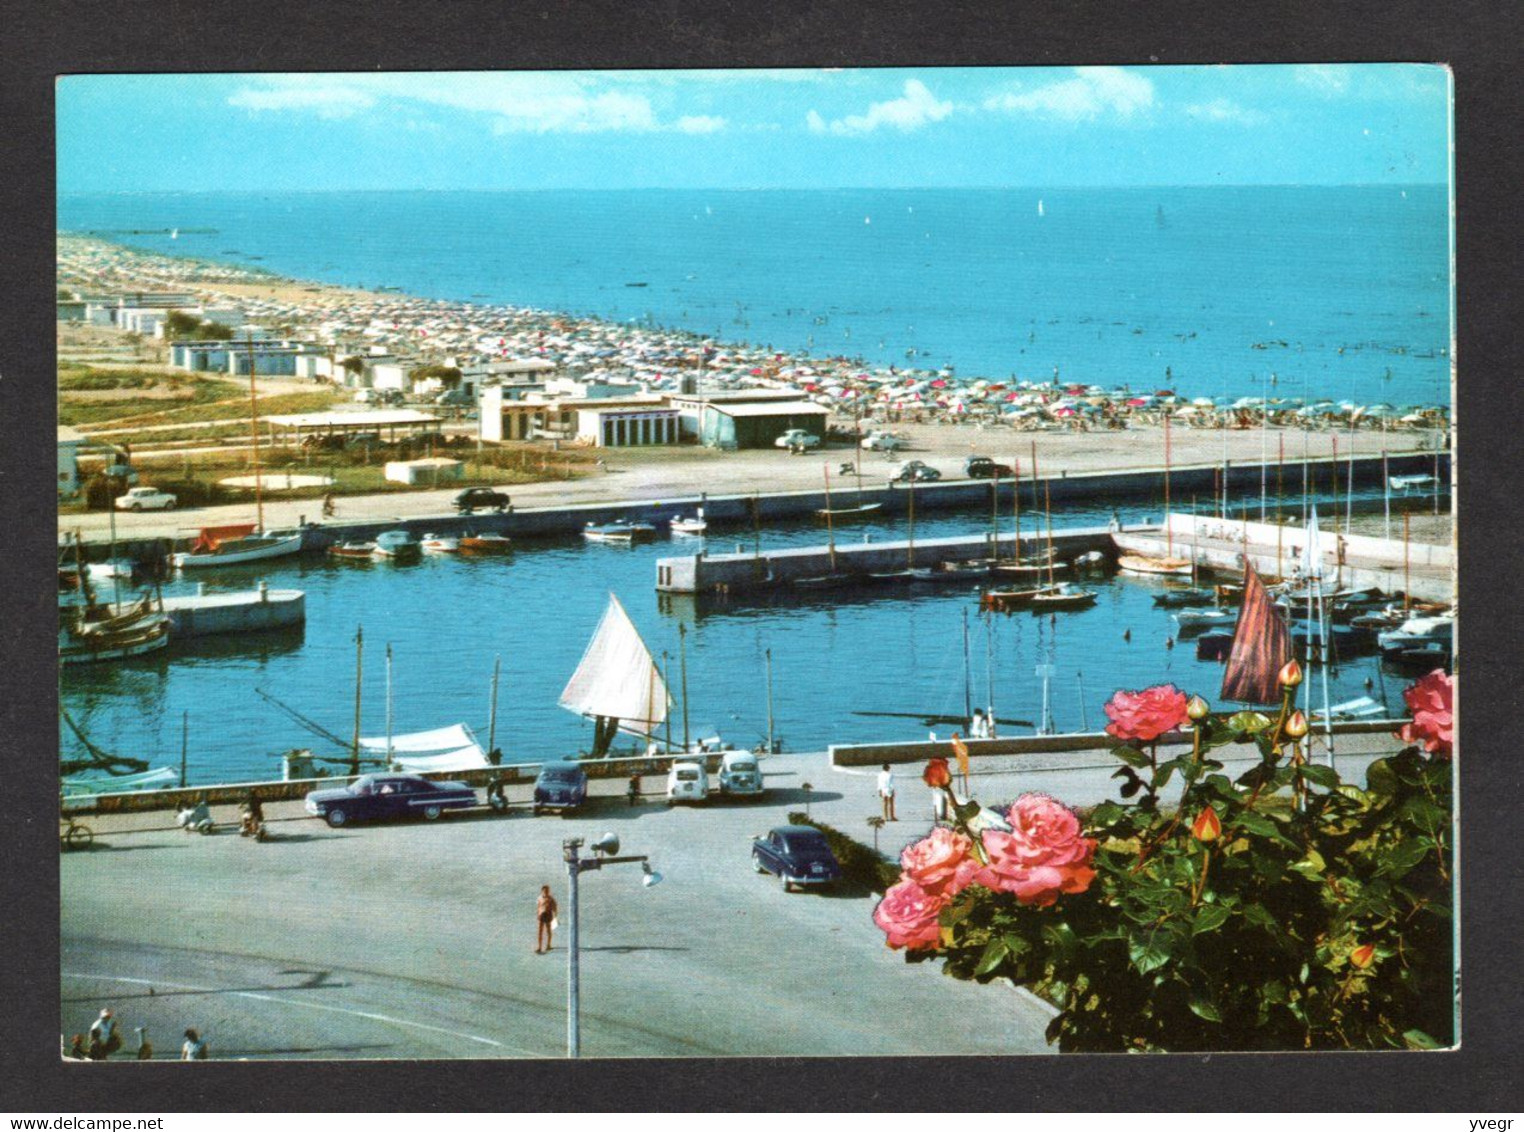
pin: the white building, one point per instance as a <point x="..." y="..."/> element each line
<point x="69" y="442"/>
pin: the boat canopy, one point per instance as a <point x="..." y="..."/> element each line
<point x="617" y="677"/>
<point x="442" y="749"/>
<point x="213" y="537"/>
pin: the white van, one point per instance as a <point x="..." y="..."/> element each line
<point x="739" y="773"/>
<point x="687" y="782"/>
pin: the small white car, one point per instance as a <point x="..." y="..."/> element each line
<point x="883" y="442"/>
<point x="797" y="440"/>
<point x="145" y="499"/>
<point x="739" y="774"/>
<point x="687" y="782"/>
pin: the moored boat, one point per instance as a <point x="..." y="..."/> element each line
<point x="139" y="630"/>
<point x="485" y="543"/>
<point x="620" y="531"/>
<point x="689" y="524"/>
<point x="1140" y="564"/>
<point x="228" y="546"/>
<point x="440" y="544"/>
<point x="352" y="550"/>
<point x="1200" y="620"/>
<point x="1061" y="598"/>
<point x="1006" y="600"/>
<point x="398" y="545"/>
<point x="1177" y="599"/>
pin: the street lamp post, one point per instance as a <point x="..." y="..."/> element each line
<point x="603" y="849"/>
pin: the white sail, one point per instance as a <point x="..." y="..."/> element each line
<point x="442" y="749"/>
<point x="1312" y="555"/>
<point x="617" y="678"/>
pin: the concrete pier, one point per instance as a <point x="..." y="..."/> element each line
<point x="707" y="573"/>
<point x="248" y="611"/>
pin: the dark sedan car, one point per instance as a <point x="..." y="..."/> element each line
<point x="377" y="797"/>
<point x="795" y="854"/>
<point x="560" y="786"/>
<point x="480" y="498"/>
<point x="983" y="468"/>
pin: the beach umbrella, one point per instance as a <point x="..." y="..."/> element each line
<point x="1204" y="402"/>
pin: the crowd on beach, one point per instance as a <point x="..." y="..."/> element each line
<point x="661" y="360"/>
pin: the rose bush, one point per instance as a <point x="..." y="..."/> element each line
<point x="1279" y="909"/>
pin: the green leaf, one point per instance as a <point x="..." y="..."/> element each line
<point x="994" y="955"/>
<point x="1381" y="779"/>
<point x="1417" y="1039"/>
<point x="1204" y="1008"/>
<point x="1130" y="755"/>
<point x="1311" y="866"/>
<point x="965" y="811"/>
<point x="1321" y="775"/>
<point x="1209" y="919"/>
<point x="1107" y="813"/>
<point x="1248" y="722"/>
<point x="1148" y="955"/>
<point x="1405" y="856"/>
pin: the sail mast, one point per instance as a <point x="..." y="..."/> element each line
<point x="354" y="759"/>
<point x="830" y="528"/>
<point x="1016" y="508"/>
<point x="259" y="503"/>
<point x="1047" y="496"/>
<point x="910" y="543"/>
<point x="1169" y="538"/>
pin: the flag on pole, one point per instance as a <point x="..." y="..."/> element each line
<point x="1261" y="647"/>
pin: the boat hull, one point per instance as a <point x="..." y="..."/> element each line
<point x="1153" y="567"/>
<point x="232" y="553"/>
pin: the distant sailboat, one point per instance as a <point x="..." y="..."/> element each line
<point x="617" y="684"/>
<point x="1040" y="211"/>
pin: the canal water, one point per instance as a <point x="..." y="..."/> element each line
<point x="835" y="657"/>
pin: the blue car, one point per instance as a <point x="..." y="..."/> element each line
<point x="377" y="797"/>
<point x="560" y="786"/>
<point x="795" y="854"/>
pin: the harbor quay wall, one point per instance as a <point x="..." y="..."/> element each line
<point x="876" y="754"/>
<point x="201" y="615"/>
<point x="710" y="573"/>
<point x="743" y="511"/>
<point x="232" y="793"/>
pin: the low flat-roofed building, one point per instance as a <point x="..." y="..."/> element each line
<point x="290" y="428"/>
<point x="757" y="424"/>
<point x="623" y="422"/>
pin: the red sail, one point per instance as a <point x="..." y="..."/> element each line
<point x="1261" y="647"/>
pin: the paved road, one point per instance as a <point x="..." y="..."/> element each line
<point x="417" y="940"/>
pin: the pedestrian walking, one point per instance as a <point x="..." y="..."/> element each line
<point x="886" y="792"/>
<point x="545" y="920"/>
<point x="633" y="792"/>
<point x="105" y="1039"/>
<point x="194" y="1048"/>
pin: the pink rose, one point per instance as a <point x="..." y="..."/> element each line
<point x="1432" y="704"/>
<point x="1144" y="716"/>
<point x="940" y="863"/>
<point x="908" y="916"/>
<point x="1043" y="854"/>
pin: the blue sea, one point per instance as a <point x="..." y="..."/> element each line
<point x="1337" y="292"/>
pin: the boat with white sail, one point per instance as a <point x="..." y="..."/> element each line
<point x="617" y="683"/>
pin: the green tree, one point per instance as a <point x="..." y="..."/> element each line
<point x="448" y="376"/>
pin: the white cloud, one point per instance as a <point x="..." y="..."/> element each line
<point x="914" y="109"/>
<point x="1325" y="78"/>
<point x="1092" y="93"/>
<point x="700" y="124"/>
<point x="336" y="101"/>
<point x="1221" y="110"/>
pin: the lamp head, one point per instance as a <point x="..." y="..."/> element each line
<point x="652" y="877"/>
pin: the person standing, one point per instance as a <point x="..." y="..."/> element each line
<point x="194" y="1048"/>
<point x="145" y="1047"/>
<point x="979" y="726"/>
<point x="104" y="1037"/>
<point x="545" y="919"/>
<point x="886" y="792"/>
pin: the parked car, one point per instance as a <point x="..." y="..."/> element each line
<point x="560" y="786"/>
<point x="984" y="468"/>
<point x="883" y="442"/>
<point x="145" y="499"/>
<point x="687" y="782"/>
<point x="377" y="797"/>
<point x="739" y="773"/>
<point x="356" y="439"/>
<point x="795" y="854"/>
<point x="797" y="440"/>
<point x="917" y="471"/>
<point x="480" y="497"/>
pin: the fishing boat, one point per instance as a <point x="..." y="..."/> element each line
<point x="1409" y="485"/>
<point x="689" y="525"/>
<point x="910" y="572"/>
<point x="142" y="629"/>
<point x="1430" y="633"/>
<point x="398" y="546"/>
<point x="831" y="513"/>
<point x="111" y="568"/>
<point x="485" y="543"/>
<point x="1007" y="600"/>
<point x="444" y="750"/>
<point x="1192" y="621"/>
<point x="621" y="532"/>
<point x="440" y="544"/>
<point x="1061" y="598"/>
<point x="833" y="578"/>
<point x="1183" y="598"/>
<point x="1139" y="564"/>
<point x="352" y="550"/>
<point x="617" y="683"/>
<point x="229" y="546"/>
<point x="969" y="568"/>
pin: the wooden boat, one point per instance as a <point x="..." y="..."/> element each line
<point x="1138" y="564"/>
<point x="139" y="630"/>
<point x="440" y="544"/>
<point x="1006" y="600"/>
<point x="1193" y="621"/>
<point x="1028" y="569"/>
<point x="953" y="570"/>
<point x="353" y="550"/>
<point x="910" y="572"/>
<point x="1062" y="598"/>
<point x="1178" y="599"/>
<point x="620" y="531"/>
<point x="859" y="510"/>
<point x="488" y="543"/>
<point x="399" y="546"/>
<point x="685" y="525"/>
<point x="618" y="684"/>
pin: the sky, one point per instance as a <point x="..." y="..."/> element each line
<point x="1314" y="124"/>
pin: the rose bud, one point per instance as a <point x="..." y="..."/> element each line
<point x="1197" y="708"/>
<point x="1296" y="726"/>
<point x="1363" y="956"/>
<point x="1291" y="674"/>
<point x="1207" y="826"/>
<point x="937" y="774"/>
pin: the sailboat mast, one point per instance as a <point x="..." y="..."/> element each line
<point x="910" y="542"/>
<point x="1407" y="584"/>
<point x="994" y="518"/>
<point x="354" y="757"/>
<point x="388" y="705"/>
<point x="830" y="527"/>
<point x="1016" y="507"/>
<point x="184" y="744"/>
<point x="1169" y="535"/>
<point x="497" y="664"/>
<point x="259" y="503"/>
<point x="968" y="689"/>
<point x="666" y="666"/>
<point x="1047" y="498"/>
<point x="767" y="656"/>
<point x="1349" y="483"/>
<point x="1386" y="484"/>
<point x="989" y="671"/>
<point x="682" y="661"/>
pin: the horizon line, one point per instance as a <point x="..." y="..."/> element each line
<point x="774" y="188"/>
